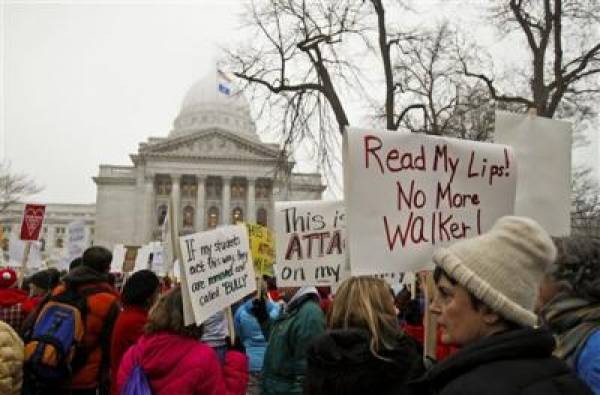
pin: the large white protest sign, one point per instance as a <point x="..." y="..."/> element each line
<point x="218" y="269"/>
<point x="408" y="193"/>
<point x="310" y="239"/>
<point x="543" y="148"/>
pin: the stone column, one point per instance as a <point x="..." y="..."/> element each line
<point x="200" y="203"/>
<point x="148" y="212"/>
<point x="175" y="192"/>
<point x="226" y="201"/>
<point x="251" y="203"/>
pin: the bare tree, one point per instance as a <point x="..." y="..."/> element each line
<point x="295" y="65"/>
<point x="427" y="71"/>
<point x="585" y="209"/>
<point x="14" y="187"/>
<point x="557" y="73"/>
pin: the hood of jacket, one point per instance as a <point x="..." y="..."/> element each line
<point x="84" y="275"/>
<point x="343" y="359"/>
<point x="12" y="296"/>
<point x="528" y="343"/>
<point x="301" y="296"/>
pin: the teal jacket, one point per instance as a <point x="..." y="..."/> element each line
<point x="289" y="336"/>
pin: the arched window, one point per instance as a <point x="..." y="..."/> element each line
<point x="213" y="217"/>
<point x="188" y="216"/>
<point x="161" y="214"/>
<point x="59" y="243"/>
<point x="261" y="216"/>
<point x="237" y="215"/>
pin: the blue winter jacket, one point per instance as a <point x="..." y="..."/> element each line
<point x="588" y="362"/>
<point x="249" y="332"/>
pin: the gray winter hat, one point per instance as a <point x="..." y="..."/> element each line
<point x="503" y="267"/>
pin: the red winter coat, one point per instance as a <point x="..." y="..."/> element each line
<point x="176" y="364"/>
<point x="128" y="329"/>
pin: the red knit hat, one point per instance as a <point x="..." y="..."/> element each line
<point x="8" y="278"/>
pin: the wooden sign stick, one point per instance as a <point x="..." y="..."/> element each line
<point x="24" y="263"/>
<point x="429" y="320"/>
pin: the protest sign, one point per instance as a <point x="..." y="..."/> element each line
<point x="261" y="245"/>
<point x="77" y="240"/>
<point x="16" y="253"/>
<point x="408" y="193"/>
<point x="310" y="242"/>
<point x="157" y="258"/>
<point x="543" y="148"/>
<point x="33" y="217"/>
<point x="217" y="266"/>
<point x="118" y="257"/>
<point x="143" y="258"/>
<point x="131" y="253"/>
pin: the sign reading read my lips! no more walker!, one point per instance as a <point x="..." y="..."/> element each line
<point x="310" y="242"/>
<point x="407" y="194"/>
<point x="218" y="269"/>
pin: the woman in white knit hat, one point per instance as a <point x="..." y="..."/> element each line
<point x="486" y="289"/>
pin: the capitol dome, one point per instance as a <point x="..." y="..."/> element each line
<point x="214" y="102"/>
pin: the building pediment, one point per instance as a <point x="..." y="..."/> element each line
<point x="213" y="144"/>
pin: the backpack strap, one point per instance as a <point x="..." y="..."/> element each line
<point x="29" y="322"/>
<point x="105" y="340"/>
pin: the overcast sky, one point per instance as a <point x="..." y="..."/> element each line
<point x="84" y="82"/>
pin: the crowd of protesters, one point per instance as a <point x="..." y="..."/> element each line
<point x="517" y="313"/>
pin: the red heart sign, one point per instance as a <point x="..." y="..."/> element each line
<point x="33" y="217"/>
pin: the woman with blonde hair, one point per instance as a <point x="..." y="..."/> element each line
<point x="363" y="350"/>
<point x="175" y="362"/>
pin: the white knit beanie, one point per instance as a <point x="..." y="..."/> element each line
<point x="503" y="267"/>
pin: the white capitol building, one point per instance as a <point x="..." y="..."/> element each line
<point x="212" y="162"/>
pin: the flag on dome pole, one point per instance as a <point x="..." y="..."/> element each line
<point x="224" y="82"/>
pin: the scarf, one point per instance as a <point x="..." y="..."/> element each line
<point x="573" y="321"/>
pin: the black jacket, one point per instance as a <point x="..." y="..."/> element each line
<point x="514" y="362"/>
<point x="340" y="362"/>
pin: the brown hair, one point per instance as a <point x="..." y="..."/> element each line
<point x="167" y="315"/>
<point x="578" y="266"/>
<point x="365" y="303"/>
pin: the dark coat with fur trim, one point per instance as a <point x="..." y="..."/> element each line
<point x="340" y="362"/>
<point x="514" y="362"/>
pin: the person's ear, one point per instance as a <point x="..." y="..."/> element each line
<point x="490" y="317"/>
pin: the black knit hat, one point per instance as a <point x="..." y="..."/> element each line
<point x="46" y="279"/>
<point x="139" y="288"/>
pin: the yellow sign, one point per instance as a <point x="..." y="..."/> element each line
<point x="263" y="251"/>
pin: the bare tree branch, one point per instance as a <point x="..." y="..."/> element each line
<point x="14" y="187"/>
